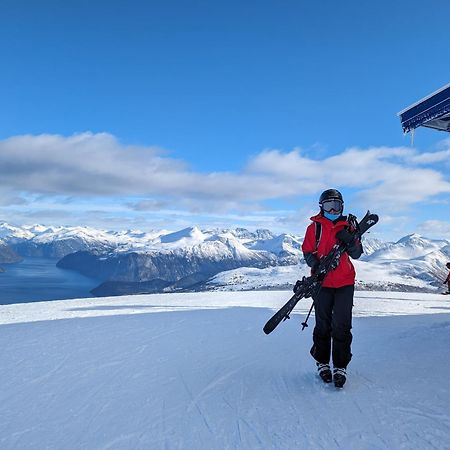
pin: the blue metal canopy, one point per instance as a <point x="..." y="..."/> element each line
<point x="432" y="111"/>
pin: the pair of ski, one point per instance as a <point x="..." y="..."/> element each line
<point x="310" y="286"/>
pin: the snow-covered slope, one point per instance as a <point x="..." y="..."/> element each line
<point x="195" y="371"/>
<point x="59" y="241"/>
<point x="371" y="245"/>
<point x="250" y="278"/>
<point x="282" y="245"/>
<point x="369" y="277"/>
<point x="409" y="247"/>
<point x="418" y="261"/>
<point x="414" y="263"/>
<point x="11" y="231"/>
<point x="188" y="258"/>
<point x="183" y="238"/>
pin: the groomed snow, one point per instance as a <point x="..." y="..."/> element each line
<point x="195" y="371"/>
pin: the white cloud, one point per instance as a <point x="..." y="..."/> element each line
<point x="98" y="165"/>
<point x="385" y="175"/>
<point x="432" y="157"/>
<point x="436" y="228"/>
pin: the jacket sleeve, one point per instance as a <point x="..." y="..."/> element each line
<point x="309" y="246"/>
<point x="355" y="249"/>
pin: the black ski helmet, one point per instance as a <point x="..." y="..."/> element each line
<point x="330" y="194"/>
<point x="448" y="265"/>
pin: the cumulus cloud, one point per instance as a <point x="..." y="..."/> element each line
<point x="437" y="228"/>
<point x="432" y="157"/>
<point x="386" y="176"/>
<point x="99" y="165"/>
<point x="94" y="164"/>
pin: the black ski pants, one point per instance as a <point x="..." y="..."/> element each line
<point x="332" y="335"/>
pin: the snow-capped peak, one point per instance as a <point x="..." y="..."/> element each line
<point x="284" y="243"/>
<point x="186" y="237"/>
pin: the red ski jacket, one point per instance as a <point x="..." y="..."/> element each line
<point x="448" y="278"/>
<point x="344" y="274"/>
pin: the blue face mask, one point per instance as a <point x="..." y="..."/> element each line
<point x="331" y="216"/>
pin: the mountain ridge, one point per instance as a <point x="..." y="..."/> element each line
<point x="214" y="259"/>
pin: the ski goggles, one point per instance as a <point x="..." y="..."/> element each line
<point x="332" y="204"/>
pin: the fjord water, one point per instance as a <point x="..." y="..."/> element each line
<point x="38" y="279"/>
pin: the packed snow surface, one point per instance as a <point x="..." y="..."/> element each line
<point x="195" y="371"/>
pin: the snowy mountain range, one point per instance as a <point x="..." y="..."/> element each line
<point x="135" y="261"/>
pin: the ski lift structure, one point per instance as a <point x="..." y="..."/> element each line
<point x="433" y="111"/>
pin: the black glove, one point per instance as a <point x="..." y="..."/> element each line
<point x="311" y="259"/>
<point x="345" y="237"/>
<point x="352" y="244"/>
<point x="297" y="286"/>
<point x="315" y="267"/>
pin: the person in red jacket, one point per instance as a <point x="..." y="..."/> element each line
<point x="447" y="280"/>
<point x="334" y="302"/>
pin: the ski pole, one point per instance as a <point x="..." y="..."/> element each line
<point x="305" y="324"/>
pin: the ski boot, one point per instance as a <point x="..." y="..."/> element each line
<point x="339" y="377"/>
<point x="324" y="372"/>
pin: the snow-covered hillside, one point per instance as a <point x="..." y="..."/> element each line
<point x="125" y="240"/>
<point x="219" y="259"/>
<point x="413" y="263"/>
<point x="195" y="371"/>
<point x="59" y="241"/>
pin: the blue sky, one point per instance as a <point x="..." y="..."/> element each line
<point x="138" y="114"/>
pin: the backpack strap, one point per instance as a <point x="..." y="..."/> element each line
<point x="318" y="233"/>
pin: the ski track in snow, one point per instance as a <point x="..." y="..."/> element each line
<point x="195" y="371"/>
